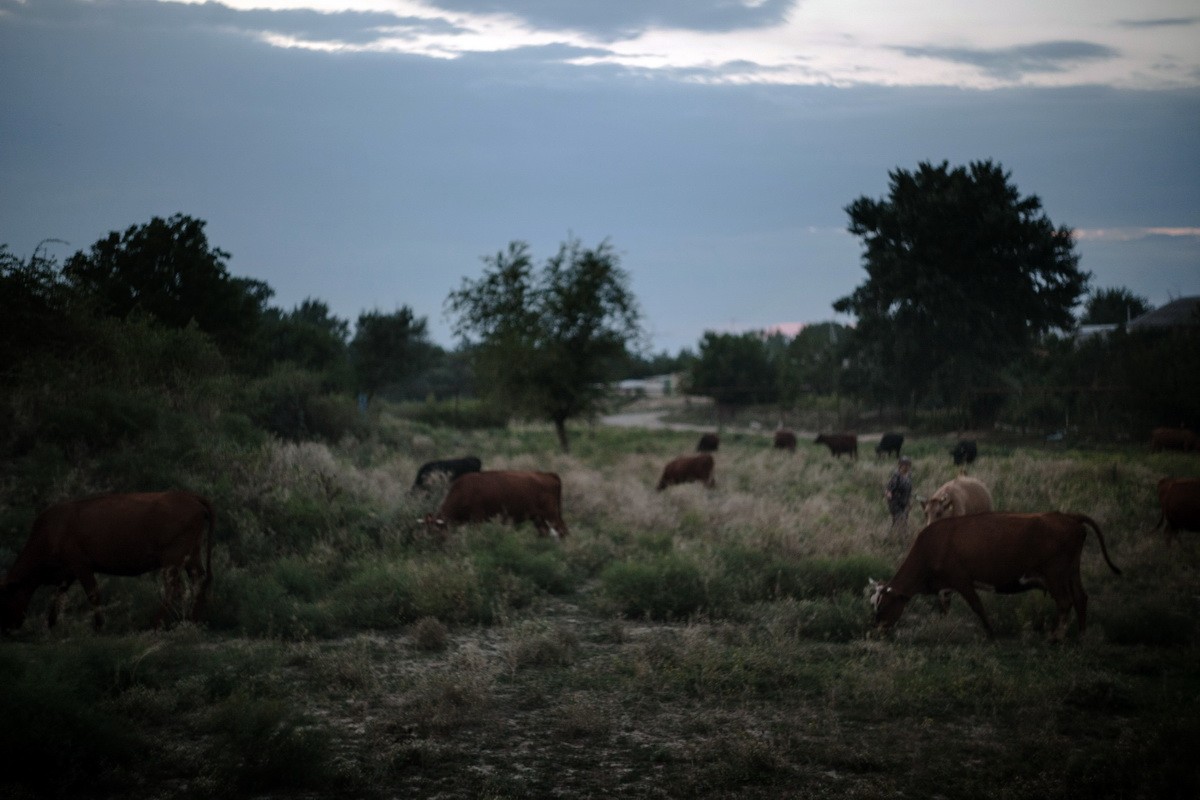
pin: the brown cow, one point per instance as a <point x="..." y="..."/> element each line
<point x="688" y="469"/>
<point x="1172" y="439"/>
<point x="505" y="494"/>
<point x="957" y="497"/>
<point x="1179" y="499"/>
<point x="1007" y="553"/>
<point x="839" y="443"/>
<point x="785" y="440"/>
<point x="709" y="442"/>
<point x="114" y="534"/>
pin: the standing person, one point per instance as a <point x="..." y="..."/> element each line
<point x="898" y="493"/>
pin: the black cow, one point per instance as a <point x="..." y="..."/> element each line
<point x="451" y="467"/>
<point x="964" y="452"/>
<point x="890" y="444"/>
<point x="708" y="443"/>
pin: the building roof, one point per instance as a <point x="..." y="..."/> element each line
<point x="1184" y="312"/>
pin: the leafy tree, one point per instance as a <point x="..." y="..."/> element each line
<point x="387" y="348"/>
<point x="734" y="370"/>
<point x="308" y="335"/>
<point x="1113" y="307"/>
<point x="166" y="269"/>
<point x="963" y="273"/>
<point x="546" y="343"/>
<point x="36" y="305"/>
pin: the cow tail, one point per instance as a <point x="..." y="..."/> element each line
<point x="1086" y="520"/>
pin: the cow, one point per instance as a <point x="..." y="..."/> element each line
<point x="957" y="497"/>
<point x="708" y="443"/>
<point x="785" y="440"/>
<point x="1179" y="499"/>
<point x="1006" y="553"/>
<point x="452" y="468"/>
<point x="890" y="444"/>
<point x="965" y="452"/>
<point x="839" y="443"/>
<point x="513" y="496"/>
<point x="113" y="534"/>
<point x="688" y="469"/>
<point x="1172" y="439"/>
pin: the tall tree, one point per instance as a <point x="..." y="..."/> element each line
<point x="1113" y="307"/>
<point x="167" y="270"/>
<point x="962" y="274"/>
<point x="387" y="348"/>
<point x="545" y="343"/>
<point x="308" y="335"/>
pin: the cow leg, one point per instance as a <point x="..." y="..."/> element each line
<point x="1080" y="598"/>
<point x="60" y="600"/>
<point x="88" y="581"/>
<point x="972" y="597"/>
<point x="172" y="588"/>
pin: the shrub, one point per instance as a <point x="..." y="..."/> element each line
<point x="663" y="587"/>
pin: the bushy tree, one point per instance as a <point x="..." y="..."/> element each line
<point x="963" y="273"/>
<point x="1113" y="307"/>
<point x="308" y="336"/>
<point x="387" y="348"/>
<point x="167" y="270"/>
<point x="545" y="343"/>
<point x="734" y="370"/>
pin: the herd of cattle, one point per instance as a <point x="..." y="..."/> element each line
<point x="964" y="544"/>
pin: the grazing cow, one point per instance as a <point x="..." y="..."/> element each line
<point x="113" y="534"/>
<point x="688" y="469"/>
<point x="957" y="497"/>
<point x="1179" y="499"/>
<point x="509" y="495"/>
<point x="785" y="440"/>
<point x="964" y="452"/>
<point x="839" y="443"/>
<point x="452" y="468"/>
<point x="1172" y="439"/>
<point x="889" y="445"/>
<point x="1007" y="553"/>
<point x="708" y="443"/>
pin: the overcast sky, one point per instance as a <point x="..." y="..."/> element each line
<point x="368" y="153"/>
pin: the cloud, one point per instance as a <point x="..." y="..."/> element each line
<point x="1133" y="234"/>
<point x="1166" y="22"/>
<point x="610" y="20"/>
<point x="1014" y="62"/>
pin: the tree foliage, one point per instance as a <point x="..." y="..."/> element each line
<point x="167" y="270"/>
<point x="734" y="370"/>
<point x="544" y="342"/>
<point x="1113" y="307"/>
<point x="963" y="273"/>
<point x="387" y="348"/>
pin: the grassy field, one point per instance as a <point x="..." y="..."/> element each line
<point x="692" y="643"/>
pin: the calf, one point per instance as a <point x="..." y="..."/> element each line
<point x="114" y="534"/>
<point x="1007" y="553"/>
<point x="1179" y="499"/>
<point x="785" y="440"/>
<point x="688" y="469"/>
<point x="957" y="497"/>
<point x="964" y="452"/>
<point x="708" y="443"/>
<point x="452" y="468"/>
<point x="839" y="443"/>
<point x="509" y="495"/>
<point x="889" y="445"/>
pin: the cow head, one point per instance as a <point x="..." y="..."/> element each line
<point x="886" y="603"/>
<point x="937" y="507"/>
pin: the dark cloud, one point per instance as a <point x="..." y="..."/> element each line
<point x="1013" y="62"/>
<point x="616" y="19"/>
<point x="1166" y="22"/>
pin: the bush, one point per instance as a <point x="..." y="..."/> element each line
<point x="662" y="587"/>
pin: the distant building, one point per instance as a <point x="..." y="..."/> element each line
<point x="654" y="386"/>
<point x="1181" y="313"/>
